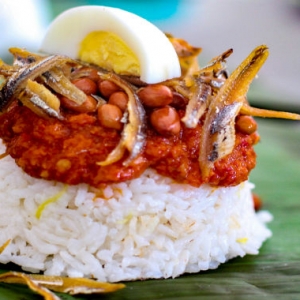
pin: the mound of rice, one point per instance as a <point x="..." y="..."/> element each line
<point x="149" y="227"/>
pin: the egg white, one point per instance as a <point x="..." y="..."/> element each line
<point x="157" y="57"/>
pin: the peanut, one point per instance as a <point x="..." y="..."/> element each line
<point x="86" y="72"/>
<point x="246" y="124"/>
<point x="257" y="202"/>
<point x="166" y="121"/>
<point x="110" y="116"/>
<point x="179" y="101"/>
<point x="89" y="105"/>
<point x="119" y="99"/>
<point x="87" y="85"/>
<point x="107" y="88"/>
<point x="156" y="95"/>
<point x="255" y="138"/>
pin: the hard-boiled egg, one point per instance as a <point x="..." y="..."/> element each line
<point x="115" y="40"/>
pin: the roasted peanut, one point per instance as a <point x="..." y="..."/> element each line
<point x="119" y="99"/>
<point x="165" y="121"/>
<point x="89" y="105"/>
<point x="87" y="85"/>
<point x="255" y="138"/>
<point x="246" y="124"/>
<point x="257" y="202"/>
<point x="86" y="72"/>
<point x="155" y="95"/>
<point x="178" y="101"/>
<point x="110" y="116"/>
<point x="107" y="88"/>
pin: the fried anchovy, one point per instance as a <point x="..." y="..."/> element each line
<point x="40" y="104"/>
<point x="218" y="133"/>
<point x="54" y="78"/>
<point x="18" y="80"/>
<point x="197" y="104"/>
<point x="58" y="82"/>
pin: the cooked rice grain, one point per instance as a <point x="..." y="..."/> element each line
<point x="149" y="227"/>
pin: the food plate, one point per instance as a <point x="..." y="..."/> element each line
<point x="273" y="274"/>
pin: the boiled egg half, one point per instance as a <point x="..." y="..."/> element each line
<point x="115" y="40"/>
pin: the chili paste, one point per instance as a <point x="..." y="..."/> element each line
<point x="68" y="151"/>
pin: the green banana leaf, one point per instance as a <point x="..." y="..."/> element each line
<point x="273" y="274"/>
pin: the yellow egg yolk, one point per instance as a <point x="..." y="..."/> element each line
<point x="110" y="52"/>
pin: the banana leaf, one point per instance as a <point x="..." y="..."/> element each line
<point x="273" y="274"/>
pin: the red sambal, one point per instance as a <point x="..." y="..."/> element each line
<point x="71" y="122"/>
<point x="68" y="151"/>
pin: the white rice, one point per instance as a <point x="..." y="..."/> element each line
<point x="149" y="227"/>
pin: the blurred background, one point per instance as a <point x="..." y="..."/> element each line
<point x="213" y="25"/>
